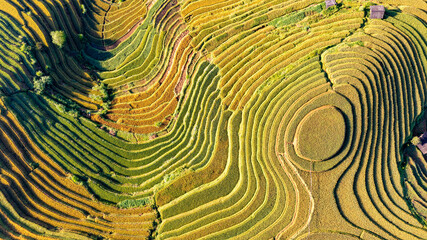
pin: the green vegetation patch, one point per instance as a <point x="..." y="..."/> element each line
<point x="134" y="203"/>
<point x="296" y="17"/>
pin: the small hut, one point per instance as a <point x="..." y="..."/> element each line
<point x="377" y="12"/>
<point x="423" y="143"/>
<point x="330" y="3"/>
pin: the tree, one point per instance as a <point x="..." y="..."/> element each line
<point x="39" y="46"/>
<point x="58" y="38"/>
<point x="41" y="83"/>
<point x="158" y="124"/>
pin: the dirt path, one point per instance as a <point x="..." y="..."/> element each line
<point x="282" y="158"/>
<point x="105" y="19"/>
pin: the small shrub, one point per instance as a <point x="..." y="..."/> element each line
<point x="83" y="8"/>
<point x="366" y="6"/>
<point x="78" y="179"/>
<point x="39" y="46"/>
<point x="58" y="38"/>
<point x="75" y="179"/>
<point x="104" y="93"/>
<point x="39" y="73"/>
<point x="33" y="61"/>
<point x="359" y="43"/>
<point x="331" y="10"/>
<point x="112" y="132"/>
<point x="103" y="90"/>
<point x="415" y="140"/>
<point x="74" y="113"/>
<point x="102" y="111"/>
<point x="61" y="107"/>
<point x="106" y="105"/>
<point x="153" y="136"/>
<point x="95" y="97"/>
<point x="82" y="38"/>
<point x="134" y="203"/>
<point x="145" y="137"/>
<point x="25" y="48"/>
<point x="66" y="102"/>
<point x="158" y="124"/>
<point x="104" y="108"/>
<point x="369" y="4"/>
<point x="34" y="165"/>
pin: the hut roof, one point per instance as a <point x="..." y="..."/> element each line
<point x="423" y="145"/>
<point x="377" y="12"/>
<point x="330" y="3"/>
<point x="423" y="148"/>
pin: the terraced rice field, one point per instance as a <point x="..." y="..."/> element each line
<point x="212" y="119"/>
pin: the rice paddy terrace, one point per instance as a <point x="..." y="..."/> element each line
<point x="212" y="119"/>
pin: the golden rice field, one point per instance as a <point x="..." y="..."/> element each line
<point x="212" y="119"/>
